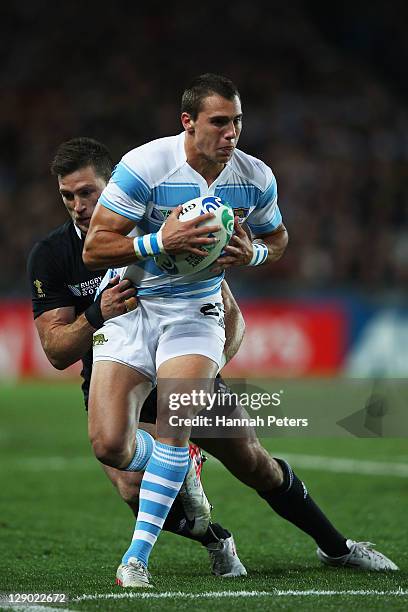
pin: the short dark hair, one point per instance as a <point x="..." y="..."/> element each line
<point x="203" y="86"/>
<point x="80" y="152"/>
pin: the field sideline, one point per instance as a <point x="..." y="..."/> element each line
<point x="63" y="528"/>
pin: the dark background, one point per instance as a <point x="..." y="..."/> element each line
<point x="324" y="94"/>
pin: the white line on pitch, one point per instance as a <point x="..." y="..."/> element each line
<point x="236" y="594"/>
<point x="35" y="608"/>
<point x="338" y="465"/>
<point x="349" y="466"/>
<point x="310" y="462"/>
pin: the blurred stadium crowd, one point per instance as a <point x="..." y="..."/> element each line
<point x="331" y="126"/>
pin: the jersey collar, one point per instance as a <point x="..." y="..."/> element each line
<point x="78" y="231"/>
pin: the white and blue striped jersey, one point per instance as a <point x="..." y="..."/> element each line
<point x="154" y="178"/>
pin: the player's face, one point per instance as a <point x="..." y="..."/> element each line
<point x="80" y="191"/>
<point x="217" y="128"/>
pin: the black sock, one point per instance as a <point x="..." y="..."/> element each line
<point x="292" y="502"/>
<point x="178" y="523"/>
<point x="214" y="533"/>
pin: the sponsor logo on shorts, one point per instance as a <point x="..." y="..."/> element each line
<point x="214" y="310"/>
<point x="99" y="339"/>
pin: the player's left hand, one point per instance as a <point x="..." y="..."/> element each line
<point x="238" y="252"/>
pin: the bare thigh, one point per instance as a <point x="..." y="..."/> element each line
<point x="181" y="375"/>
<point x="116" y="396"/>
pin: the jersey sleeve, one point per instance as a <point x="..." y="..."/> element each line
<point x="48" y="290"/>
<point x="127" y="192"/>
<point x="266" y="216"/>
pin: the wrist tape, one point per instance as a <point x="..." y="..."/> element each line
<point x="148" y="245"/>
<point x="260" y="254"/>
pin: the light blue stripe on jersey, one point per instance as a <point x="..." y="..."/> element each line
<point x="173" y="194"/>
<point x="264" y="228"/>
<point x="238" y="195"/>
<point x="130" y="183"/>
<point x="183" y="296"/>
<point x="149" y="265"/>
<point x="105" y="202"/>
<point x="200" y="285"/>
<point x="193" y="290"/>
<point x="268" y="197"/>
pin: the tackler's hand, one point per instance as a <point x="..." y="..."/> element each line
<point x="118" y="298"/>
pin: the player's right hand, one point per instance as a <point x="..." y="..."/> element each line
<point x="181" y="236"/>
<point x="118" y="298"/>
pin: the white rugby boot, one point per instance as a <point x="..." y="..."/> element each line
<point x="224" y="559"/>
<point x="133" y="574"/>
<point x="192" y="495"/>
<point x="361" y="556"/>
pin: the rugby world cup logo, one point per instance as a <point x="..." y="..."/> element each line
<point x="211" y="203"/>
<point x="227" y="220"/>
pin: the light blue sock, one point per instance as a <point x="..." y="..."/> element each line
<point x="144" y="449"/>
<point x="162" y="480"/>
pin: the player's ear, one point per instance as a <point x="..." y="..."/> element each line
<point x="188" y="122"/>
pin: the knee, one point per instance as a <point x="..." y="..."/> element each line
<point x="111" y="451"/>
<point x="263" y="471"/>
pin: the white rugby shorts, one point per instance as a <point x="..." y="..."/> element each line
<point x="162" y="328"/>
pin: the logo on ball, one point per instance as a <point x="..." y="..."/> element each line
<point x="211" y="203"/>
<point x="188" y="263"/>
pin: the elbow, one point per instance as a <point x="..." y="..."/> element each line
<point x="57" y="362"/>
<point x="280" y="249"/>
<point x="88" y="256"/>
<point x="285" y="241"/>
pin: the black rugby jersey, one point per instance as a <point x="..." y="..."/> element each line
<point x="58" y="277"/>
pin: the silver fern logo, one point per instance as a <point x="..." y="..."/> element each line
<point x="75" y="289"/>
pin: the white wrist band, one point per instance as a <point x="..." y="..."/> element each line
<point x="260" y="254"/>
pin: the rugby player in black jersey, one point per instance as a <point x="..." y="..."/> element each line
<point x="67" y="314"/>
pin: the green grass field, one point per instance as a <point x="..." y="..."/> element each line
<point x="63" y="528"/>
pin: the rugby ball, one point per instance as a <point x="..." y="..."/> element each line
<point x="187" y="263"/>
